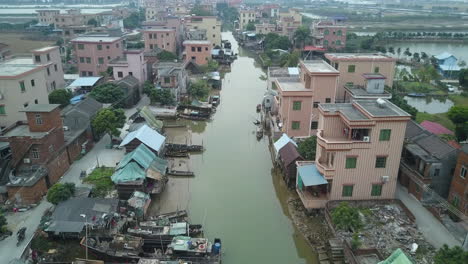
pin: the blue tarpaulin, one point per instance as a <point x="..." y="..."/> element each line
<point x="310" y="175"/>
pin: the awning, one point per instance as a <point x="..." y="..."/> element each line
<point x="310" y="175"/>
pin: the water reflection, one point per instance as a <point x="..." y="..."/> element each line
<point x="429" y="104"/>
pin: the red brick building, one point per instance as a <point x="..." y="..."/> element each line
<point x="458" y="195"/>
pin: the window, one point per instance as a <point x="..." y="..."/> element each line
<point x="130" y="73"/>
<point x="36" y="101"/>
<point x="80" y="46"/>
<point x="199" y="49"/>
<point x="55" y="67"/>
<point x="297" y="105"/>
<point x="376" y="69"/>
<point x="338" y="42"/>
<point x="463" y="172"/>
<point x="167" y="34"/>
<point x="376" y="190"/>
<point x="314" y="125"/>
<point x="214" y="36"/>
<point x="351" y="162"/>
<point x="326" y="32"/>
<point x="99" y="47"/>
<point x="151" y="46"/>
<point x="327" y="100"/>
<point x="351" y="68"/>
<point x="436" y="172"/>
<point x="38" y="119"/>
<point x="455" y="200"/>
<point x="193" y="48"/>
<point x="325" y="43"/>
<point x="88" y="60"/>
<point x="167" y="79"/>
<point x="349" y="84"/>
<point x="347" y="191"/>
<point x="22" y="86"/>
<point x="339" y="32"/>
<point x="37" y="58"/>
<point x="25" y="105"/>
<point x="2" y="110"/>
<point x="33" y="83"/>
<point x="316" y="104"/>
<point x="385" y="134"/>
<point x="82" y="59"/>
<point x="107" y="47"/>
<point x="295" y="125"/>
<point x="167" y="44"/>
<point x="117" y="45"/>
<point x="206" y="48"/>
<point x="83" y="73"/>
<point x="194" y="58"/>
<point x="101" y="60"/>
<point x="90" y="73"/>
<point x="48" y="71"/>
<point x="48" y="57"/>
<point x="108" y="57"/>
<point x="120" y="74"/>
<point x="35" y="153"/>
<point x="380" y="162"/>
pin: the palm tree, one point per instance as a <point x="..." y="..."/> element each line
<point x="398" y="51"/>
<point x="302" y="35"/>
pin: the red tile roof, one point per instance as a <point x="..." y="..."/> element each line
<point x="436" y="128"/>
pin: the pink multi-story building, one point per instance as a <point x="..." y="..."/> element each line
<point x="163" y="38"/>
<point x="299" y="97"/>
<point x="352" y="66"/>
<point x="132" y="63"/>
<point x="359" y="147"/>
<point x="93" y="53"/>
<point x="328" y="34"/>
<point x="198" y="51"/>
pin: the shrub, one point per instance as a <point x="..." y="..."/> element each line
<point x="60" y="192"/>
<point x="346" y="217"/>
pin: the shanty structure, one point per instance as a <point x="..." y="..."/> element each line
<point x="147" y="136"/>
<point x="288" y="155"/>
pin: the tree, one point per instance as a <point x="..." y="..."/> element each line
<point x="459" y="116"/>
<point x="391" y="50"/>
<point x="60" y="96"/>
<point x="250" y="26"/>
<point x="346" y="217"/>
<point x="211" y="66"/>
<point x="416" y="57"/>
<point x="60" y="192"/>
<point x="135" y="45"/>
<point x="134" y="20"/>
<point x="463" y="78"/>
<point x="302" y="35"/>
<point x="399" y="101"/>
<point x="427" y="73"/>
<point x="161" y="96"/>
<point x="3" y="224"/>
<point x="356" y="241"/>
<point x="107" y="93"/>
<point x="199" y="89"/>
<point x="291" y="60"/>
<point x="398" y="52"/>
<point x="275" y="41"/>
<point x="109" y="121"/>
<point x="92" y="22"/>
<point x="407" y="52"/>
<point x="454" y="255"/>
<point x="198" y="11"/>
<point x="166" y="56"/>
<point x="307" y="148"/>
<point x="462" y="63"/>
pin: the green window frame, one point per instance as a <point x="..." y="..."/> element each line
<point x="376" y="190"/>
<point x="339" y="33"/>
<point x="385" y="134"/>
<point x="380" y="162"/>
<point x="101" y="60"/>
<point x="167" y="79"/>
<point x="99" y="47"/>
<point x="296" y="125"/>
<point x="2" y="110"/>
<point x="376" y="69"/>
<point x="351" y="68"/>
<point x="351" y="162"/>
<point x="347" y="191"/>
<point x="338" y="42"/>
<point x="314" y="125"/>
<point x="326" y="32"/>
<point x="22" y="86"/>
<point x="297" y="105"/>
<point x="455" y="201"/>
<point x="88" y="59"/>
<point x="80" y="46"/>
<point x="325" y="43"/>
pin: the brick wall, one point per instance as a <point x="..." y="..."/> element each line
<point x="49" y="120"/>
<point x="57" y="167"/>
<point x="74" y="148"/>
<point x="28" y="195"/>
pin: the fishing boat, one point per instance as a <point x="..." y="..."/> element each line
<point x="416" y="94"/>
<point x="153" y="229"/>
<point x="184" y="246"/>
<point x="259" y="133"/>
<point x="215" y="100"/>
<point x="120" y="248"/>
<point x="259" y="107"/>
<point x="181" y="173"/>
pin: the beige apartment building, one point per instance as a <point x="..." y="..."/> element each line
<point x="21" y="85"/>
<point x="359" y="148"/>
<point x="47" y="17"/>
<point x="209" y="23"/>
<point x="246" y="17"/>
<point x="50" y="58"/>
<point x="162" y="38"/>
<point x="352" y="66"/>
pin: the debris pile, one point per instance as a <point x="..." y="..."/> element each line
<point x="387" y="227"/>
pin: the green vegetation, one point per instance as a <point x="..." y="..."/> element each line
<point x="60" y="96"/>
<point x="463" y="78"/>
<point x="440" y="118"/>
<point x="135" y="45"/>
<point x="109" y="121"/>
<point x="454" y="255"/>
<point x="307" y="148"/>
<point x="399" y="101"/>
<point x="302" y="36"/>
<point x="228" y="15"/>
<point x="346" y="217"/>
<point x="161" y="96"/>
<point x="459" y="116"/>
<point x="166" y="56"/>
<point x="275" y="41"/>
<point x="135" y="19"/>
<point x="356" y="242"/>
<point x="3" y="224"/>
<point x="199" y="89"/>
<point x="60" y="192"/>
<point x="199" y="11"/>
<point x="101" y="179"/>
<point x="211" y="66"/>
<point x="250" y="26"/>
<point x="107" y="93"/>
<point x="93" y="22"/>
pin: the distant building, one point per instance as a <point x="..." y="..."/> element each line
<point x="328" y="34"/>
<point x="93" y="53"/>
<point x="352" y="66"/>
<point x="270" y="10"/>
<point x="246" y="16"/>
<point x="265" y="28"/>
<point x="198" y="51"/>
<point x="358" y="153"/>
<point x="162" y="38"/>
<point x="209" y="23"/>
<point x="172" y="76"/>
<point x="436" y="128"/>
<point x="5" y="51"/>
<point x="458" y="195"/>
<point x="288" y="22"/>
<point x="50" y="57"/>
<point x="447" y="64"/>
<point x="132" y="63"/>
<point x="47" y="17"/>
<point x="373" y="88"/>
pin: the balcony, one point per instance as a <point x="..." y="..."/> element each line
<point x="342" y="143"/>
<point x="327" y="171"/>
<point x="313" y="200"/>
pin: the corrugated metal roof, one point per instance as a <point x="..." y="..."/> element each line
<point x="141" y="155"/>
<point x="146" y="135"/>
<point x="282" y="141"/>
<point x="150" y="119"/>
<point x="436" y="128"/>
<point x="288" y="153"/>
<point x="85" y="81"/>
<point x="310" y="175"/>
<point x="131" y="172"/>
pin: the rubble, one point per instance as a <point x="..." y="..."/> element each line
<point x="386" y="228"/>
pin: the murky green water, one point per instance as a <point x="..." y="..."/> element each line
<point x="235" y="193"/>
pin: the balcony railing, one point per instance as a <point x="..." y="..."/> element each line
<point x="327" y="171"/>
<point x="313" y="202"/>
<point x="412" y="172"/>
<point x="340" y="142"/>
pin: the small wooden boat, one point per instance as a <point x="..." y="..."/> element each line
<point x="181" y="173"/>
<point x="259" y="132"/>
<point x="259" y="107"/>
<point x="416" y="94"/>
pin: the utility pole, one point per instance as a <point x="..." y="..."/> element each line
<point x="86" y="233"/>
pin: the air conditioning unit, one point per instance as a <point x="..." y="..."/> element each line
<point x="366" y="139"/>
<point x="26" y="160"/>
<point x="66" y="128"/>
<point x="385" y="179"/>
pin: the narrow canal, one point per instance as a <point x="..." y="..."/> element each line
<point x="235" y="193"/>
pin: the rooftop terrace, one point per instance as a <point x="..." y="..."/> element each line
<point x="319" y="66"/>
